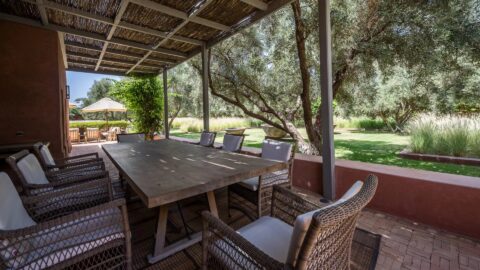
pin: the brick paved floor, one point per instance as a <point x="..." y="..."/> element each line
<point x="405" y="243"/>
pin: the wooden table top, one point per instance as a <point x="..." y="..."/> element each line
<point x="165" y="171"/>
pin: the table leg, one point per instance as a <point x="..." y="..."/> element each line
<point x="161" y="229"/>
<point x="212" y="204"/>
<point x="161" y="251"/>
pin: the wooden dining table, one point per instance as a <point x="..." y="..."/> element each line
<point x="166" y="171"/>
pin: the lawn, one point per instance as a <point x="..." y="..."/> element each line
<point x="380" y="148"/>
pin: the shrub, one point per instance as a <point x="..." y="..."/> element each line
<point x="195" y="125"/>
<point x="456" y="136"/>
<point x="361" y="123"/>
<point x="98" y="124"/>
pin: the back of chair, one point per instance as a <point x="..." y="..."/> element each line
<point x="93" y="134"/>
<point x="27" y="168"/>
<point x="207" y="139"/>
<point x="328" y="242"/>
<point x="44" y="156"/>
<point x="275" y="150"/>
<point x="130" y="138"/>
<point x="74" y="134"/>
<point x="232" y="143"/>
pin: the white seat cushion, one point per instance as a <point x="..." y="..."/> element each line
<point x="12" y="213"/>
<point x="32" y="170"/>
<point x="271" y="235"/>
<point x="47" y="156"/>
<point x="302" y="223"/>
<point x="251" y="183"/>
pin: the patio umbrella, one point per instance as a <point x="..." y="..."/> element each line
<point x="105" y="105"/>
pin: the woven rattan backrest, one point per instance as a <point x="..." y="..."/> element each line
<point x="207" y="138"/>
<point x="13" y="160"/>
<point x="43" y="155"/>
<point x="328" y="241"/>
<point x="232" y="143"/>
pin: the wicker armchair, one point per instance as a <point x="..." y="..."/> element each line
<point x="298" y="235"/>
<point x="232" y="143"/>
<point x="257" y="190"/>
<point x="49" y="164"/>
<point x="93" y="238"/>
<point x="35" y="181"/>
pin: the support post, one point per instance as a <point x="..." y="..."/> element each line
<point x="165" y="104"/>
<point x="206" y="105"/>
<point x="328" y="150"/>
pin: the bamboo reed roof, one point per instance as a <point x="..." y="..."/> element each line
<point x="121" y="37"/>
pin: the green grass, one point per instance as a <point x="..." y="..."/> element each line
<point x="380" y="148"/>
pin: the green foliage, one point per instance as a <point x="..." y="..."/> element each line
<point x="195" y="125"/>
<point x="98" y="90"/>
<point x="143" y="97"/>
<point x="453" y="136"/>
<point x="361" y="123"/>
<point x="98" y="124"/>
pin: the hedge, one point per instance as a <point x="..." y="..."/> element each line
<point x="99" y="124"/>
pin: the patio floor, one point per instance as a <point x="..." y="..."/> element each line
<point x="405" y="244"/>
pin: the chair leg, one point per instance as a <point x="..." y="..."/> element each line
<point x="228" y="203"/>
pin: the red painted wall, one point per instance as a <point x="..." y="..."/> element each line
<point x="33" y="106"/>
<point x="446" y="201"/>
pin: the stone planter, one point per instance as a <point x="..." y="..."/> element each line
<point x="235" y="131"/>
<point x="273" y="132"/>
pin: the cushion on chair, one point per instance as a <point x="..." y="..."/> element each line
<point x="12" y="213"/>
<point x="271" y="235"/>
<point x="302" y="223"/>
<point x="251" y="183"/>
<point x="47" y="156"/>
<point x="232" y="143"/>
<point x="207" y="138"/>
<point x="32" y="170"/>
<point x="276" y="150"/>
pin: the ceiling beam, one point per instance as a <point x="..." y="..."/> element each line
<point x="43" y="12"/>
<point x="108" y="59"/>
<point x="256" y="3"/>
<point x="179" y="14"/>
<point x="192" y="15"/>
<point x="61" y="40"/>
<point x="117" y="52"/>
<point x="118" y="18"/>
<point x="89" y="35"/>
<point x="109" y="21"/>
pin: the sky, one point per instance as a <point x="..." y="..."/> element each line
<point x="81" y="82"/>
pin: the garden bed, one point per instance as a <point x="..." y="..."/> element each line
<point x="439" y="158"/>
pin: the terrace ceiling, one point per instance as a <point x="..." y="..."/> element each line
<point x="136" y="36"/>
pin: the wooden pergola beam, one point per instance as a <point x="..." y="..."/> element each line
<point x="89" y="35"/>
<point x="175" y="30"/>
<point x="42" y="11"/>
<point x="180" y="14"/>
<point x="118" y="18"/>
<point x="117" y="52"/>
<point x="256" y="3"/>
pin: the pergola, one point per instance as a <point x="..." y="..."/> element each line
<point x="121" y="37"/>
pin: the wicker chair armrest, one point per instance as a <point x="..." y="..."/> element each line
<point x="52" y="203"/>
<point x="78" y="157"/>
<point x="69" y="238"/>
<point x="219" y="237"/>
<point x="75" y="163"/>
<point x="76" y="171"/>
<point x="286" y="205"/>
<point x="76" y="177"/>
